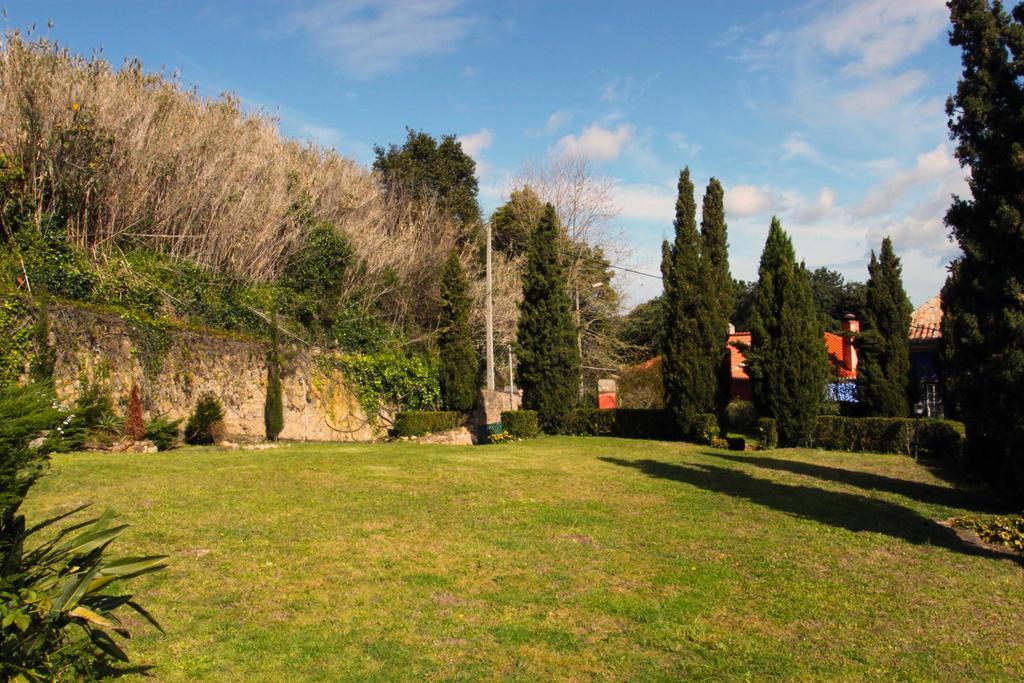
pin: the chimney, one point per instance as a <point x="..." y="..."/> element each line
<point x="851" y="326"/>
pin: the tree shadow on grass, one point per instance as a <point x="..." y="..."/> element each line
<point x="967" y="498"/>
<point x="835" y="508"/>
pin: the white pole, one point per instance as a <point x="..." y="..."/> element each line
<point x="490" y="317"/>
<point x="511" y="381"/>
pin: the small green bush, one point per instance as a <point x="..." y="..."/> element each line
<point x="707" y="429"/>
<point x="941" y="439"/>
<point x="206" y="423"/>
<point x="768" y="432"/>
<point x="164" y="433"/>
<point x="420" y="422"/>
<point x="591" y="422"/>
<point x="741" y="416"/>
<point x="520" y="424"/>
<point x="736" y="443"/>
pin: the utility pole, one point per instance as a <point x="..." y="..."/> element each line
<point x="511" y="382"/>
<point x="579" y="335"/>
<point x="490" y="317"/>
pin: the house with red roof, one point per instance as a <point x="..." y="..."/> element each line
<point x="925" y="341"/>
<point x="842" y="356"/>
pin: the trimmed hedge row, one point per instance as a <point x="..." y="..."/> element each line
<point x="629" y="423"/>
<point x="941" y="439"/>
<point x="521" y="424"/>
<point x="420" y="422"/>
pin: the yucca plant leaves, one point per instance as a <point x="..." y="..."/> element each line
<point x="92" y="617"/>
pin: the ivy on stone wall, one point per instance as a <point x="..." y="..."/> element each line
<point x="151" y="339"/>
<point x="390" y="380"/>
<point x="16" y="341"/>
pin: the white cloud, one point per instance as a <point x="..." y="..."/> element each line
<point x="882" y="94"/>
<point x="929" y="236"/>
<point x="321" y="135"/>
<point x="644" y="202"/>
<point x="370" y="38"/>
<point x="557" y="120"/>
<point x="747" y="200"/>
<point x="796" y="145"/>
<point x="818" y="209"/>
<point x="683" y="144"/>
<point x="936" y="164"/>
<point x="876" y="35"/>
<point x="477" y="142"/>
<point x="598" y="143"/>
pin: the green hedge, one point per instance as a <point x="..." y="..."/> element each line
<point x="521" y="424"/>
<point x="420" y="422"/>
<point x="741" y="416"/>
<point x="768" y="432"/>
<point x="707" y="429"/>
<point x="629" y="423"/>
<point x="941" y="439"/>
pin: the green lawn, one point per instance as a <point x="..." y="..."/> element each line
<point x="560" y="558"/>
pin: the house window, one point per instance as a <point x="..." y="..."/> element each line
<point x="930" y="404"/>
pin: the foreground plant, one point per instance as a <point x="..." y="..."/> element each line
<point x="57" y="621"/>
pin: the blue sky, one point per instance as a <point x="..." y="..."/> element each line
<point x="828" y="114"/>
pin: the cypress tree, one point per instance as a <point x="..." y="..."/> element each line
<point x="459" y="363"/>
<point x="717" y="286"/>
<point x="787" y="360"/>
<point x="688" y="374"/>
<point x="549" y="361"/>
<point x="983" y="299"/>
<point x="134" y="424"/>
<point x="273" y="407"/>
<point x="884" y="364"/>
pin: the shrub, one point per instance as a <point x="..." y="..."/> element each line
<point x="56" y="611"/>
<point x="134" y="425"/>
<point x="273" y="406"/>
<point x="591" y="422"/>
<point x="501" y="437"/>
<point x="206" y="424"/>
<point x="707" y="429"/>
<point x="736" y="443"/>
<point x="1002" y="530"/>
<point x="521" y="424"/>
<point x="768" y="432"/>
<point x="941" y="439"/>
<point x="163" y="433"/>
<point x="420" y="422"/>
<point x="741" y="416"/>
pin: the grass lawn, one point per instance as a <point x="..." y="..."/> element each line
<point x="560" y="558"/>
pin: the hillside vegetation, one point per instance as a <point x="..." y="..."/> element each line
<point x="119" y="185"/>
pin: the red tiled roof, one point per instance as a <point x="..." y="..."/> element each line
<point x="737" y="361"/>
<point x="834" y="345"/>
<point x="926" y="321"/>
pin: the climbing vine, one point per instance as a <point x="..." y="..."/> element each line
<point x="393" y="380"/>
<point x="16" y="341"/>
<point x="151" y="339"/>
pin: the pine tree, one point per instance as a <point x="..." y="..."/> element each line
<point x="787" y="360"/>
<point x="983" y="299"/>
<point x="459" y="362"/>
<point x="717" y="287"/>
<point x="689" y="375"/>
<point x="549" y="361"/>
<point x="884" y="363"/>
<point x="273" y="407"/>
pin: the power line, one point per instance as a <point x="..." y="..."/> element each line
<point x="635" y="272"/>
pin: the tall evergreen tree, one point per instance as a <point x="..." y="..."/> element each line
<point x="884" y="364"/>
<point x="787" y="360"/>
<point x="689" y="376"/>
<point x="459" y="362"/>
<point x="983" y="299"/>
<point x="273" y="405"/>
<point x="549" y="361"/>
<point x="717" y="288"/>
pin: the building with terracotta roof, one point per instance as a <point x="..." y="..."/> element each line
<point x="925" y="341"/>
<point x="842" y="356"/>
